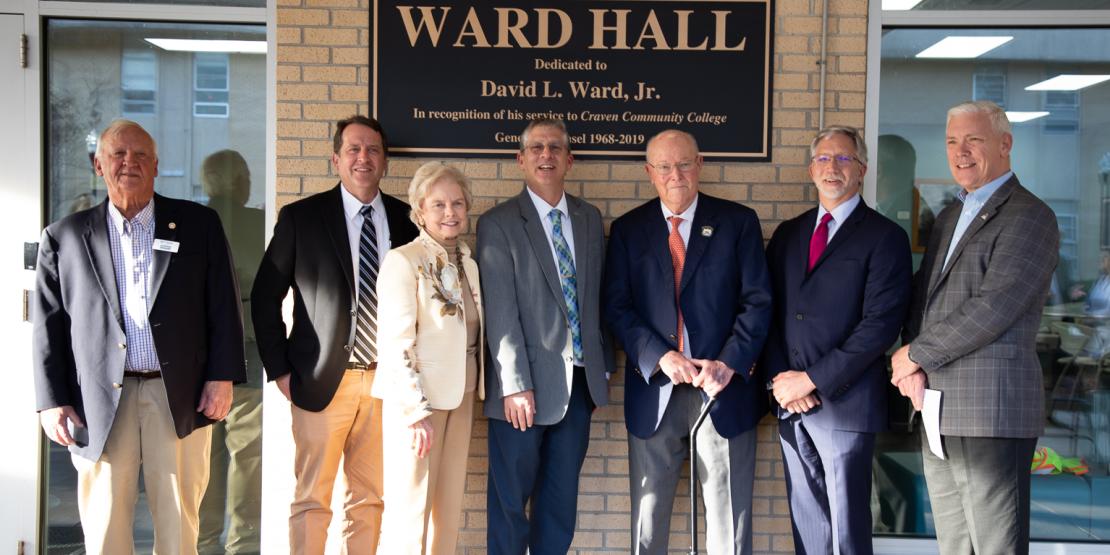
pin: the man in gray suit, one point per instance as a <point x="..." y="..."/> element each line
<point x="971" y="335"/>
<point x="541" y="256"/>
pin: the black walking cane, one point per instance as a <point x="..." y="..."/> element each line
<point x="694" y="474"/>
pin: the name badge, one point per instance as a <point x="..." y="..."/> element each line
<point x="165" y="245"/>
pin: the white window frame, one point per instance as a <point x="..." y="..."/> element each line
<point x="198" y="89"/>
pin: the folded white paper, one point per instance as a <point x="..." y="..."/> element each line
<point x="930" y="416"/>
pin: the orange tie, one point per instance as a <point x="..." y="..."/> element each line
<point x="678" y="260"/>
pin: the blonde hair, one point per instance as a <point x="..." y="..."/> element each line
<point x="429" y="174"/>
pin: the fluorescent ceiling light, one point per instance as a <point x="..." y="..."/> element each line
<point x="1068" y="83"/>
<point x="963" y="47"/>
<point x="198" y="45"/>
<point x="895" y="5"/>
<point x="1019" y="117"/>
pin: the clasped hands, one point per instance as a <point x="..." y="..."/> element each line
<point x="794" y="391"/>
<point x="908" y="377"/>
<point x="711" y="376"/>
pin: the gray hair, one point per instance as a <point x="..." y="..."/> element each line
<point x="118" y="126"/>
<point x="850" y="132"/>
<point x="429" y="174"/>
<point x="995" y="113"/>
<point x="545" y="122"/>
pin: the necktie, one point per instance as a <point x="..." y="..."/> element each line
<point x="366" y="325"/>
<point x="819" y="241"/>
<point x="568" y="281"/>
<point x="678" y="260"/>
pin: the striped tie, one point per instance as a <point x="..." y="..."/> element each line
<point x="366" y="327"/>
<point x="568" y="281"/>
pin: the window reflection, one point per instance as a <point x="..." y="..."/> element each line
<point x="1062" y="154"/>
<point x="206" y="112"/>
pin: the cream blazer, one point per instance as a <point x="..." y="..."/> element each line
<point x="422" y="328"/>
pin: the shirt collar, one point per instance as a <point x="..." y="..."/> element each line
<point x="352" y="206"/>
<point x="982" y="194"/>
<point x="543" y="208"/>
<point x="687" y="214"/>
<point x="144" y="218"/>
<point x="841" y="212"/>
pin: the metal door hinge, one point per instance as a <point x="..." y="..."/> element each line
<point x="23" y="50"/>
<point x="26" y="305"/>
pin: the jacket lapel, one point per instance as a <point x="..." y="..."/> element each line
<point x="580" y="229"/>
<point x="845" y="230"/>
<point x="335" y="222"/>
<point x="701" y="233"/>
<point x="986" y="213"/>
<point x="659" y="230"/>
<point x="805" y="235"/>
<point x="165" y="227"/>
<point x="100" y="258"/>
<point x="533" y="227"/>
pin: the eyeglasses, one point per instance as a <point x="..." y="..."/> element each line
<point x="538" y="148"/>
<point x="666" y="169"/>
<point x="841" y="159"/>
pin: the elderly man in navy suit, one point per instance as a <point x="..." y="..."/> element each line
<point x="841" y="278"/>
<point x="688" y="297"/>
<point x="138" y="339"/>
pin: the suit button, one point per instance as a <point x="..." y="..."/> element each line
<point x="347" y="348"/>
<point x="122" y="346"/>
<point x="353" y="312"/>
<point x="673" y="337"/>
<point x="117" y="385"/>
<point x="799" y="316"/>
<point x="794" y="352"/>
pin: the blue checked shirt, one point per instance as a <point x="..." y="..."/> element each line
<point x="972" y="203"/>
<point x="132" y="243"/>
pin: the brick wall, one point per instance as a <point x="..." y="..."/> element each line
<point x="323" y="75"/>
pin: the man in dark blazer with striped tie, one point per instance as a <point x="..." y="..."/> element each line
<point x="326" y="248"/>
<point x="971" y="334"/>
<point x="841" y="279"/>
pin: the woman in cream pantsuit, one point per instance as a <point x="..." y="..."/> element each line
<point x="429" y="367"/>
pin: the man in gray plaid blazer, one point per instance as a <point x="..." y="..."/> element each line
<point x="971" y="334"/>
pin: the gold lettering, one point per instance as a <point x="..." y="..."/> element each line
<point x="655" y="33"/>
<point x="684" y="32"/>
<point x="426" y="22"/>
<point x="504" y="28"/>
<point x="472" y="28"/>
<point x="719" y="39"/>
<point x="565" y="26"/>
<point x="620" y="30"/>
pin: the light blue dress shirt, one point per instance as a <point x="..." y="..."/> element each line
<point x="973" y="203"/>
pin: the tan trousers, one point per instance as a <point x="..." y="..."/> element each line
<point x="234" y="479"/>
<point x="425" y="495"/>
<point x="175" y="472"/>
<point x="349" y="428"/>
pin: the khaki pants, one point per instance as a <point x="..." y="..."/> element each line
<point x="235" y="479"/>
<point x="425" y="495"/>
<point x="349" y="428"/>
<point x="175" y="472"/>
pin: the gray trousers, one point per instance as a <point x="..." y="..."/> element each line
<point x="726" y="470"/>
<point x="980" y="494"/>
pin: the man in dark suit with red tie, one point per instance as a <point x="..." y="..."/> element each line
<point x="687" y="295"/>
<point x="326" y="248"/>
<point x="841" y="278"/>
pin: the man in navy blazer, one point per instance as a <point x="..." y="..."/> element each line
<point x="687" y="343"/>
<point x="841" y="277"/>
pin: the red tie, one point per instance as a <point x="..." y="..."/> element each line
<point x="678" y="260"/>
<point x="819" y="241"/>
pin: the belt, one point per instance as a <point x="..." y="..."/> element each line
<point x="142" y="375"/>
<point x="362" y="367"/>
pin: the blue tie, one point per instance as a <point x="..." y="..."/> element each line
<point x="567" y="280"/>
<point x="366" y="326"/>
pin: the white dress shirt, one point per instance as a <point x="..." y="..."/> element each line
<point x="351" y="214"/>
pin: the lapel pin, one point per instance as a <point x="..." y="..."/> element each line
<point x="172" y="225"/>
<point x="984" y="217"/>
<point x="706" y="231"/>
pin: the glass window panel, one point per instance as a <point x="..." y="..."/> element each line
<point x="100" y="70"/>
<point x="1062" y="157"/>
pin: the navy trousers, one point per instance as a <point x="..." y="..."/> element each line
<point x="541" y="463"/>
